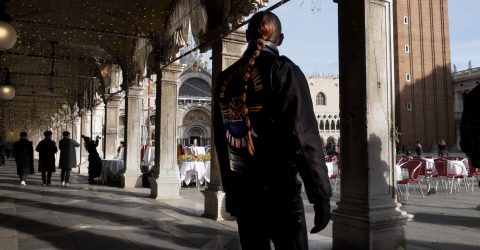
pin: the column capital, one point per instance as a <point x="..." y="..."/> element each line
<point x="114" y="101"/>
<point x="135" y="91"/>
<point x="171" y="73"/>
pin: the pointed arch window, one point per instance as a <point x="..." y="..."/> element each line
<point x="338" y="125"/>
<point x="332" y="125"/>
<point x="327" y="125"/>
<point x="321" y="99"/>
<point x="322" y="125"/>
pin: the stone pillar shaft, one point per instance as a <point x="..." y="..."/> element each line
<point x="166" y="181"/>
<point x="367" y="216"/>
<point x="132" y="175"/>
<point x="76" y="135"/>
<point x="111" y="126"/>
<point x="98" y="116"/>
<point x="86" y="131"/>
<point x="225" y="52"/>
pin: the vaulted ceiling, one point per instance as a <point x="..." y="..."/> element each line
<point x="79" y="37"/>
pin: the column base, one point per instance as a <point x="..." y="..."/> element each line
<point x="164" y="188"/>
<point x="215" y="205"/>
<point x="382" y="228"/>
<point x="130" y="179"/>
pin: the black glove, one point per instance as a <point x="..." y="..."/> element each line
<point x="322" y="215"/>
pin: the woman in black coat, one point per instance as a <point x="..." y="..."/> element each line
<point x="94" y="160"/>
<point x="46" y="162"/>
<point x="24" y="157"/>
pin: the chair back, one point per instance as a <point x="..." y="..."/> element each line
<point x="441" y="165"/>
<point x="414" y="167"/>
<point x="423" y="167"/>
<point x="330" y="158"/>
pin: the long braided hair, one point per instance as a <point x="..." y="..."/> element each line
<point x="263" y="26"/>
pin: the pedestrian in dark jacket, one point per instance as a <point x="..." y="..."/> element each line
<point x="68" y="157"/>
<point x="94" y="160"/>
<point x="23" y="150"/>
<point x="265" y="134"/>
<point x="46" y="157"/>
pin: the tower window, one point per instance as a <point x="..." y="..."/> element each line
<point x="405" y="20"/>
<point x="321" y="99"/>
<point x="407" y="77"/>
<point x="407" y="48"/>
<point x="409" y="106"/>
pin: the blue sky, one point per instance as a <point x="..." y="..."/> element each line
<point x="311" y="39"/>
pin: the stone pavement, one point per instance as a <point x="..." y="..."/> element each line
<point x="86" y="216"/>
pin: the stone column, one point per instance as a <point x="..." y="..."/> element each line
<point x="98" y="116"/>
<point x="368" y="215"/>
<point x="86" y="131"/>
<point x="68" y="124"/>
<point x="111" y="126"/>
<point x="166" y="182"/>
<point x="224" y="53"/>
<point x="132" y="176"/>
<point x="76" y="135"/>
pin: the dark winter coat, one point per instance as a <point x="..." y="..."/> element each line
<point x="68" y="156"/>
<point x="281" y="124"/>
<point x="94" y="160"/>
<point x="46" y="155"/>
<point x="23" y="150"/>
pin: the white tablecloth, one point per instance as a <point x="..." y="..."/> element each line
<point x="198" y="168"/>
<point x="149" y="156"/>
<point x="111" y="168"/>
<point x="197" y="150"/>
<point x="330" y="166"/>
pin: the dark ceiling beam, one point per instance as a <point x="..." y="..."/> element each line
<point x="61" y="58"/>
<point x="56" y="75"/>
<point x="71" y="27"/>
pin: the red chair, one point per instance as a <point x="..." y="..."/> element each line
<point x="473" y="174"/>
<point x="441" y="165"/>
<point x="410" y="174"/>
<point x="335" y="177"/>
<point x="426" y="174"/>
<point x="330" y="158"/>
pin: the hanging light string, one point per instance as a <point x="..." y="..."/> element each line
<point x="222" y="35"/>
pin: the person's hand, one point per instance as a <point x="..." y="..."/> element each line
<point x="322" y="215"/>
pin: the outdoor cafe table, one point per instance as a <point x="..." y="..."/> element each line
<point x="110" y="168"/>
<point x="200" y="169"/>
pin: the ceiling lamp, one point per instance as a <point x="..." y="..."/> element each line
<point x="8" y="34"/>
<point x="7" y="92"/>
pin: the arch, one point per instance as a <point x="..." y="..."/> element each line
<point x="338" y="125"/>
<point x="195" y="116"/>
<point x="321" y="99"/>
<point x="322" y="125"/>
<point x="332" y="125"/>
<point x="195" y="87"/>
<point x="327" y="125"/>
<point x="202" y="75"/>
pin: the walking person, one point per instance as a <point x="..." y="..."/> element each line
<point x="23" y="150"/>
<point x="3" y="147"/>
<point x="46" y="157"/>
<point x="418" y="149"/>
<point x="94" y="160"/>
<point x="68" y="157"/>
<point x="265" y="134"/>
<point x="442" y="148"/>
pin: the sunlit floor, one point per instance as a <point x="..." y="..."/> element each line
<point x="86" y="216"/>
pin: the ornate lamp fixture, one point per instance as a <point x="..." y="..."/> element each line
<point x="7" y="92"/>
<point x="8" y="34"/>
